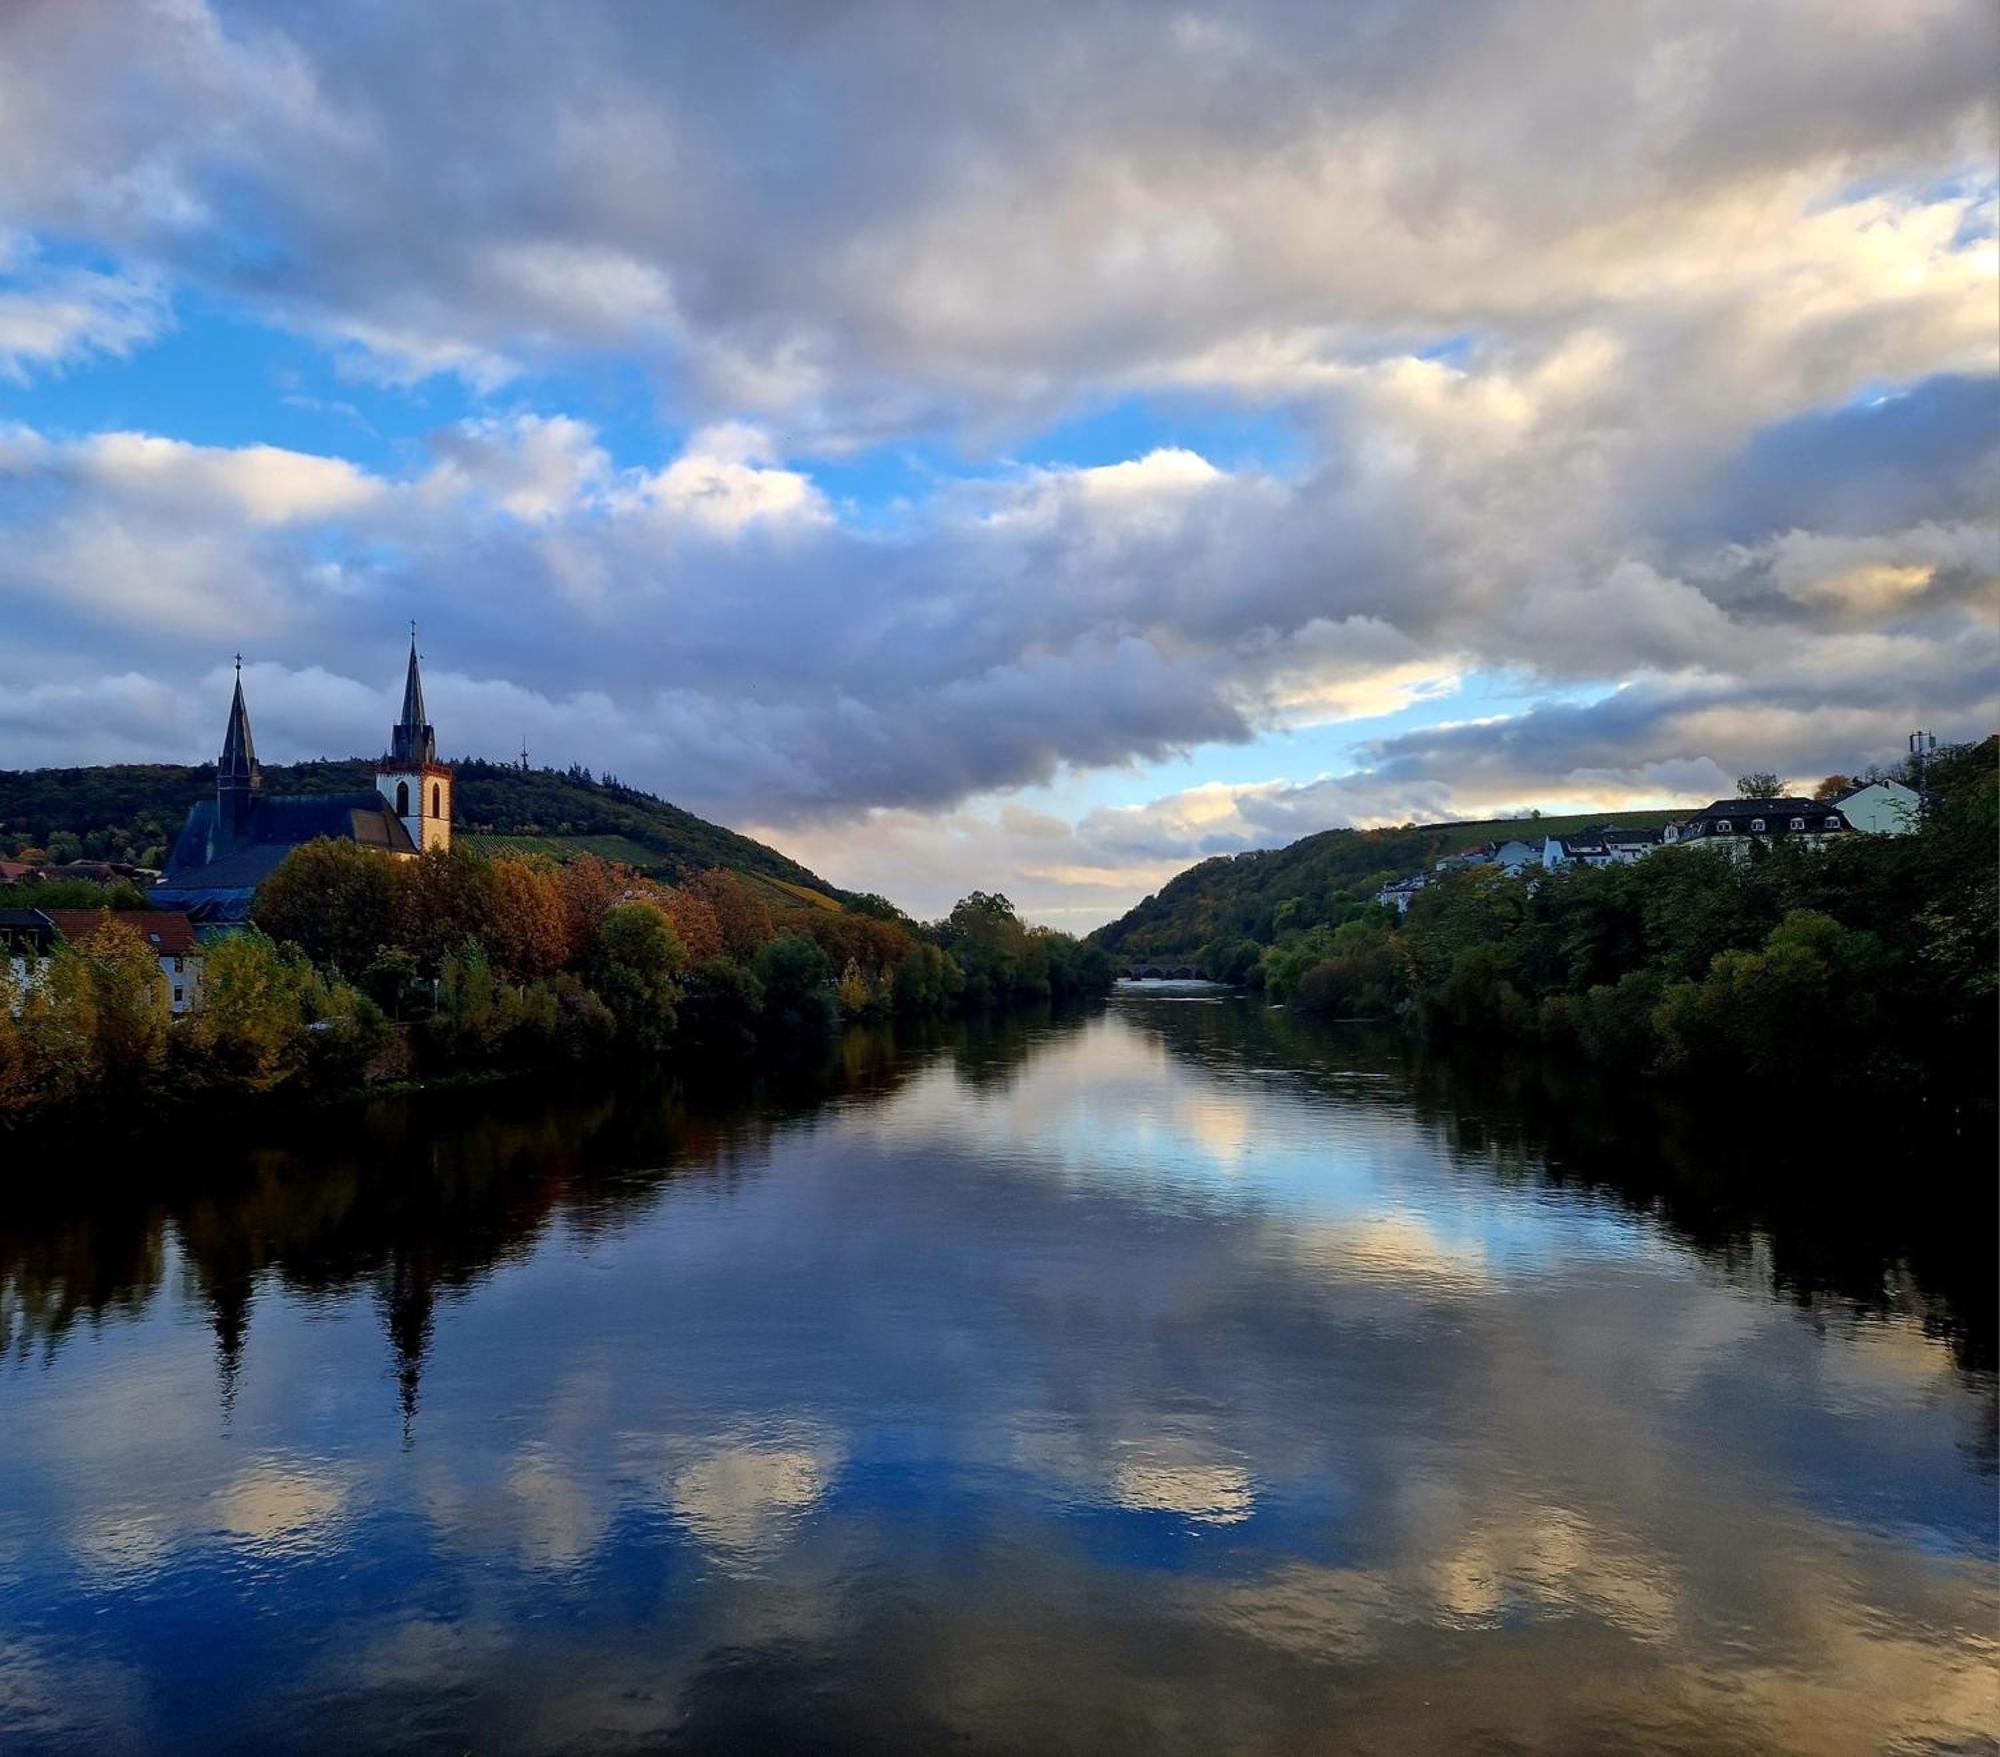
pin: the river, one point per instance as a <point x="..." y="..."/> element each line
<point x="1160" y="1379"/>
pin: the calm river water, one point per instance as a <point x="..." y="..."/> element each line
<point x="1156" y="1380"/>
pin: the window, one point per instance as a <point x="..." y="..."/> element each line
<point x="1723" y="826"/>
<point x="1833" y="823"/>
<point x="1798" y="823"/>
<point x="437" y="800"/>
<point x="402" y="799"/>
<point x="1757" y="825"/>
<point x="177" y="994"/>
<point x="177" y="964"/>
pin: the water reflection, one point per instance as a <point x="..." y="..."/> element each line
<point x="1166" y="1379"/>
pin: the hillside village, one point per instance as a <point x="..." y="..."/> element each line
<point x="1880" y="806"/>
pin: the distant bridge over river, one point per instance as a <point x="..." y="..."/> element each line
<point x="1164" y="970"/>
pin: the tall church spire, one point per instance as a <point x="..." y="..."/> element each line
<point x="239" y="753"/>
<point x="412" y="740"/>
<point x="238" y="778"/>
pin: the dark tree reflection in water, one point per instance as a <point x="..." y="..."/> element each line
<point x="1160" y="1378"/>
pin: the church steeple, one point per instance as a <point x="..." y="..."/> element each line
<point x="412" y="739"/>
<point x="413" y="783"/>
<point x="238" y="777"/>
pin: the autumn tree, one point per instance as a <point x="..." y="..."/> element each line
<point x="57" y="1029"/>
<point x="529" y="932"/>
<point x="129" y="995"/>
<point x="590" y="886"/>
<point x="741" y="913"/>
<point x="696" y="924"/>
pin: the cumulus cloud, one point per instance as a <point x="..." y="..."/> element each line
<point x="1625" y="350"/>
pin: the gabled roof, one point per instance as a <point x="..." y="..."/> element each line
<point x="1884" y="781"/>
<point x="204" y="858"/>
<point x="1790" y="806"/>
<point x="29" y="928"/>
<point x="166" y="932"/>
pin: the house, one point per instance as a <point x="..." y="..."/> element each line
<point x="26" y="938"/>
<point x="1515" y="856"/>
<point x="1606" y="845"/>
<point x="231" y="843"/>
<point x="1736" y="823"/>
<point x="1880" y="808"/>
<point x="13" y="871"/>
<point x="1398" y="894"/>
<point x="168" y="934"/>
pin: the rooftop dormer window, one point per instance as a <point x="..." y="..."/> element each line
<point x="1798" y="823"/>
<point x="1723" y="826"/>
<point x="1757" y="825"/>
<point x="1833" y="823"/>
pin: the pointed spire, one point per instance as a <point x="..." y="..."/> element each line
<point x="411" y="740"/>
<point x="239" y="753"/>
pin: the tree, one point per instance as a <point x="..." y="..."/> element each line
<point x="793" y="972"/>
<point x="335" y="899"/>
<point x="1832" y="788"/>
<point x="249" y="1031"/>
<point x="133" y="1012"/>
<point x="590" y="886"/>
<point x="57" y="1030"/>
<point x="529" y="928"/>
<point x="633" y="968"/>
<point x="741" y="914"/>
<point x="445" y="898"/>
<point x="695" y="924"/>
<point x="1759" y="784"/>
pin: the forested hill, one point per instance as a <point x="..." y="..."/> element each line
<point x="132" y="812"/>
<point x="1259" y="895"/>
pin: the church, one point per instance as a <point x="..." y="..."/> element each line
<point x="231" y="843"/>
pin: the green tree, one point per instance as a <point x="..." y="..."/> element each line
<point x="1759" y="784"/>
<point x="792" y="970"/>
<point x="633" y="968"/>
<point x="249" y="1033"/>
<point x="335" y="899"/>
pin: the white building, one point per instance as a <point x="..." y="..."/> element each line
<point x="1399" y="894"/>
<point x="1880" y="808"/>
<point x="167" y="934"/>
<point x="1607" y="845"/>
<point x="1735" y="824"/>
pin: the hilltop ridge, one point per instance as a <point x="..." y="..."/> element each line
<point x="1257" y="894"/>
<point x="132" y="811"/>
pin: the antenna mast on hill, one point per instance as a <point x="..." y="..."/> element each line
<point x="524" y="750"/>
<point x="1921" y="746"/>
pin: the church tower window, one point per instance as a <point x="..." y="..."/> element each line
<point x="402" y="799"/>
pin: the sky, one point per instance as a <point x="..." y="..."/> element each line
<point x="1026" y="448"/>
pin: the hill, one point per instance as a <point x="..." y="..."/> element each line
<point x="1257" y="895"/>
<point x="132" y="812"/>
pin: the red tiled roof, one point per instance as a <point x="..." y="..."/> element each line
<point x="167" y="932"/>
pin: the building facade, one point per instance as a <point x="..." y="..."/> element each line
<point x="167" y="933"/>
<point x="1737" y="824"/>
